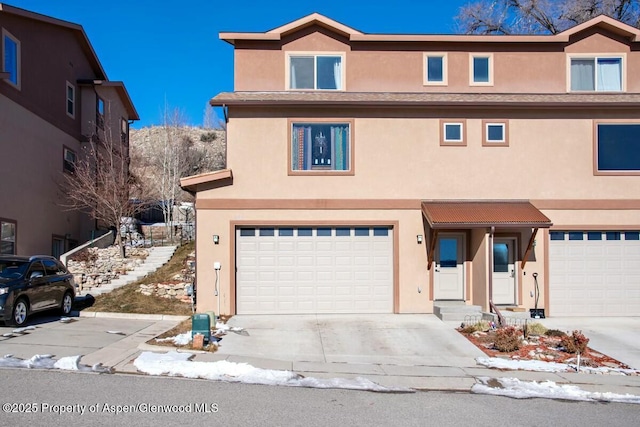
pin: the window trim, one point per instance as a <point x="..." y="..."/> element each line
<point x="66" y="149"/>
<point x="425" y="74"/>
<point x="350" y="122"/>
<point x="505" y="126"/>
<point x="71" y="114"/>
<point x="595" y="56"/>
<point x="596" y="171"/>
<point x="315" y="54"/>
<point x="463" y="133"/>
<point x="489" y="57"/>
<point x="18" y="83"/>
<point x="15" y="235"/>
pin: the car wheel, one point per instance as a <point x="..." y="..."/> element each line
<point x="20" y="312"/>
<point x="67" y="303"/>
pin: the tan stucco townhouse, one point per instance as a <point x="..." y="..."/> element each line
<point x="392" y="173"/>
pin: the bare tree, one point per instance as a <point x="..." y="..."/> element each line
<point x="540" y="16"/>
<point x="100" y="183"/>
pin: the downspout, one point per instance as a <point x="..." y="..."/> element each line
<point x="225" y="112"/>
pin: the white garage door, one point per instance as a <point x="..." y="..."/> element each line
<point x="314" y="270"/>
<point x="593" y="273"/>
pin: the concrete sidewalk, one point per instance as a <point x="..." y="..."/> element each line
<point x="417" y="351"/>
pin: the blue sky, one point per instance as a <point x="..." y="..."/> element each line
<point x="169" y="52"/>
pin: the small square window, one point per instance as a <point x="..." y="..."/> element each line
<point x="481" y="73"/>
<point x="576" y="235"/>
<point x="435" y="65"/>
<point x="495" y="133"/>
<point x="556" y="235"/>
<point x="69" y="159"/>
<point x="617" y="148"/>
<point x="452" y="132"/>
<point x="71" y="100"/>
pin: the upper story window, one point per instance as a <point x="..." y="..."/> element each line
<point x="71" y="100"/>
<point x="599" y="74"/>
<point x="481" y="73"/>
<point x="11" y="58"/>
<point x="435" y="69"/>
<point x="495" y="133"/>
<point x="316" y="71"/>
<point x="7" y="237"/>
<point x="618" y="148"/>
<point x="452" y="132"/>
<point x="68" y="160"/>
<point x="100" y="112"/>
<point x="321" y="147"/>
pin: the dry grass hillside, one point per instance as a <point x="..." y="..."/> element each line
<point x="210" y="142"/>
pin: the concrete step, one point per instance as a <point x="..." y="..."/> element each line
<point x="458" y="311"/>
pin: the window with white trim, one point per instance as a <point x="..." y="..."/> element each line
<point x="495" y="133"/>
<point x="481" y="73"/>
<point x="7" y="237"/>
<point x="596" y="74"/>
<point x="71" y="100"/>
<point x="320" y="147"/>
<point x="11" y="58"/>
<point x="316" y="71"/>
<point x="452" y="132"/>
<point x="435" y="69"/>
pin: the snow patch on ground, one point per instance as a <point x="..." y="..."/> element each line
<point x="181" y="339"/>
<point x="46" y="361"/>
<point x="517" y="389"/>
<point x="180" y="364"/>
<point x="541" y="366"/>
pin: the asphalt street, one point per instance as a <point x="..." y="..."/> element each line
<point x="50" y="398"/>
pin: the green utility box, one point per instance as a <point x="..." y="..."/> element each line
<point x="201" y="324"/>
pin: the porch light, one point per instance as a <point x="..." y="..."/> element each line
<point x="419" y="239"/>
<point x="216" y="239"/>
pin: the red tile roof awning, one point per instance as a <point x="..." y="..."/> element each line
<point x="483" y="213"/>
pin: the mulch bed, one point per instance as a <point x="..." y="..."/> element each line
<point x="542" y="348"/>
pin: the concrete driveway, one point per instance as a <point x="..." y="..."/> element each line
<point x="393" y="339"/>
<point x="617" y="337"/>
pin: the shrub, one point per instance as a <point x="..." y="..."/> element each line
<point x="536" y="329"/>
<point x="480" y="326"/>
<point x="574" y="343"/>
<point x="554" y="333"/>
<point x="507" y="339"/>
<point x="208" y="137"/>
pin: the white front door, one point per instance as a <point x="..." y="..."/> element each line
<point x="448" y="280"/>
<point x="504" y="271"/>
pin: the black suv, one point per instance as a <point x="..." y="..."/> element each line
<point x="32" y="284"/>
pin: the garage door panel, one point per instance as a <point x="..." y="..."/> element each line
<point x="594" y="277"/>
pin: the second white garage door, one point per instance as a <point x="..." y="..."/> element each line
<point x="594" y="273"/>
<point x="314" y="270"/>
